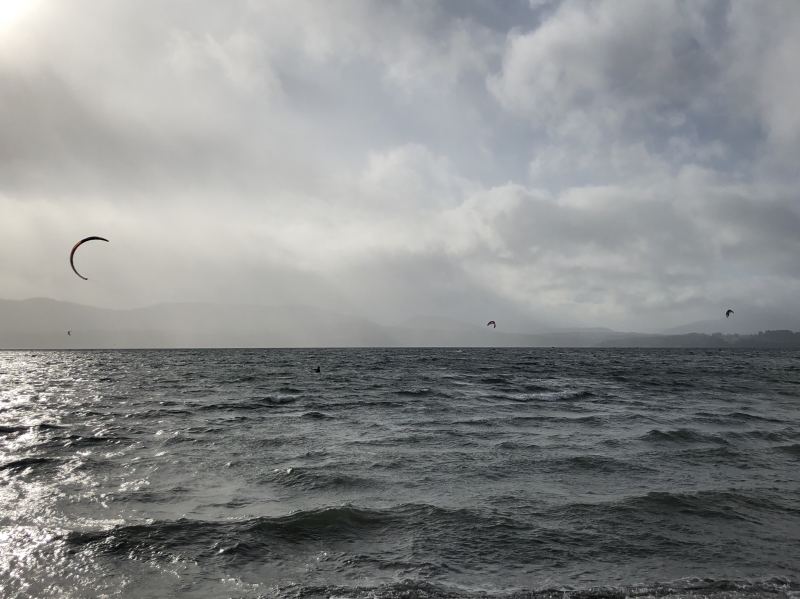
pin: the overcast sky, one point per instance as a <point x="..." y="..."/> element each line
<point x="605" y="163"/>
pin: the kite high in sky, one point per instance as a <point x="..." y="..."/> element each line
<point x="76" y="246"/>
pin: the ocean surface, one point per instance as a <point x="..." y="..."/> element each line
<point x="400" y="473"/>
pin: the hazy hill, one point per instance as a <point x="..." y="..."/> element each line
<point x="771" y="339"/>
<point x="43" y="324"/>
<point x="744" y="321"/>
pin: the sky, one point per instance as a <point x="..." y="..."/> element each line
<point x="541" y="163"/>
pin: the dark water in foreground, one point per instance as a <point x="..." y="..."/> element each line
<point x="399" y="473"/>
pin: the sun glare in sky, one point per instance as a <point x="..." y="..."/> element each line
<point x="13" y="11"/>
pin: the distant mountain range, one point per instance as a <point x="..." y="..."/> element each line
<point x="44" y="324"/>
<point x="746" y="321"/>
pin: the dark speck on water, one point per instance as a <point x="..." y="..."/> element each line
<point x="400" y="473"/>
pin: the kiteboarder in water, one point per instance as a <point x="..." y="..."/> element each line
<point x="75" y="247"/>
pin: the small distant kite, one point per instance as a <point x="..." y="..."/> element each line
<point x="492" y="324"/>
<point x="728" y="313"/>
<point x="75" y="247"/>
<point x="69" y="333"/>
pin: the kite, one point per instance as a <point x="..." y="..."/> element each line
<point x="75" y="247"/>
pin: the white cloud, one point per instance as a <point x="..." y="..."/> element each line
<point x="611" y="162"/>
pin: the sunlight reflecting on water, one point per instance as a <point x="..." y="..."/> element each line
<point x="235" y="473"/>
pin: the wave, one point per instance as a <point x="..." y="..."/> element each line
<point x="290" y="390"/>
<point x="735" y="416"/>
<point x="509" y="535"/>
<point x="726" y="453"/>
<point x="315" y="479"/>
<point x="495" y="380"/>
<point x="536" y="387"/>
<point x="516" y="445"/>
<point x="689" y="436"/>
<point x="47" y="426"/>
<point x="536" y="393"/>
<point x="591" y="420"/>
<point x="405" y="439"/>
<point x="256" y="537"/>
<point x="79" y="441"/>
<point x="330" y="523"/>
<point x="715" y="505"/>
<point x="573" y="395"/>
<point x="370" y="403"/>
<point x="527" y="393"/>
<point x="12" y="430"/>
<point x="314" y="415"/>
<point x="20" y="428"/>
<point x="17" y="466"/>
<point x="681" y="435"/>
<point x="423" y="392"/>
<point x="594" y="463"/>
<point x="249" y="404"/>
<point x="706" y="588"/>
<point x="773" y="436"/>
<point x="245" y="378"/>
<point x="793" y="449"/>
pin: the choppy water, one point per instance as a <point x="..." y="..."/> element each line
<point x="399" y="473"/>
